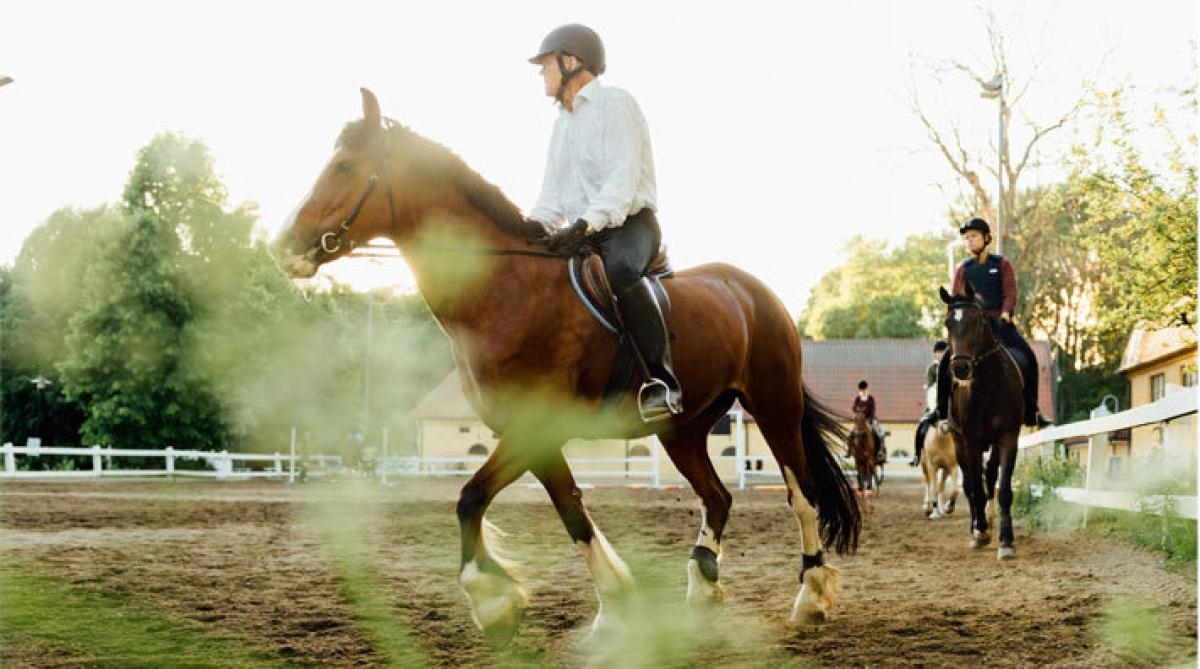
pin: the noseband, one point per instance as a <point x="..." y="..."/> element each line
<point x="330" y="243"/>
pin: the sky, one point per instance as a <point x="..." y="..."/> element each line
<point x="780" y="129"/>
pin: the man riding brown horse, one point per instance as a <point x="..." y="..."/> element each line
<point x="600" y="179"/>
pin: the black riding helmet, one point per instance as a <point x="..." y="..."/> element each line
<point x="576" y="40"/>
<point x="976" y="224"/>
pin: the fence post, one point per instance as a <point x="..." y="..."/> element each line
<point x="739" y="448"/>
<point x="97" y="461"/>
<point x="657" y="468"/>
<point x="170" y="460"/>
<point x="292" y="464"/>
<point x="10" y="461"/>
<point x="383" y="460"/>
<point x="278" y="464"/>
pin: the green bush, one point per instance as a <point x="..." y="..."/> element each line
<point x="1034" y="482"/>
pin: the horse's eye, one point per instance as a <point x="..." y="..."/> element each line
<point x="343" y="167"/>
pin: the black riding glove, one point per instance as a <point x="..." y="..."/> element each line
<point x="566" y="241"/>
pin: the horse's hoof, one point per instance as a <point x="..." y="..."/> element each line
<point x="808" y="614"/>
<point x="1006" y="553"/>
<point x="980" y="540"/>
<point x="501" y="632"/>
<point x="702" y="592"/>
<point x="935" y="514"/>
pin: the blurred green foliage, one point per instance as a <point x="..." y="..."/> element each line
<point x="163" y="321"/>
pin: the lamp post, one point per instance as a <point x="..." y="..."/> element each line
<point x="994" y="90"/>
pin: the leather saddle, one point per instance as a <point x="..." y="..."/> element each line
<point x="591" y="285"/>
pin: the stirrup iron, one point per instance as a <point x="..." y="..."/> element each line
<point x="658" y="412"/>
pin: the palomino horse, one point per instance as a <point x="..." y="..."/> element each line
<point x="939" y="465"/>
<point x="534" y="363"/>
<point x="864" y="448"/>
<point x="986" y="408"/>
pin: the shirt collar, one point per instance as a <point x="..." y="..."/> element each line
<point x="589" y="91"/>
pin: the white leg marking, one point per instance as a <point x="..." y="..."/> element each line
<point x="610" y="573"/>
<point x="821" y="584"/>
<point x="496" y="601"/>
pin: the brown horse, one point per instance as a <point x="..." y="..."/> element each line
<point x="534" y="363"/>
<point x="939" y="465"/>
<point x="986" y="408"/>
<point x="863" y="447"/>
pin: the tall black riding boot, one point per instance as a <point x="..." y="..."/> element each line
<point x="660" y="396"/>
<point x="1029" y="375"/>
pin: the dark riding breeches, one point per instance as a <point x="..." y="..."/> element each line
<point x="628" y="249"/>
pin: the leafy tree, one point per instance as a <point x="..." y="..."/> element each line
<point x="1139" y="218"/>
<point x="880" y="292"/>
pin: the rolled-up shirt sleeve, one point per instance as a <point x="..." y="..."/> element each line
<point x="623" y="145"/>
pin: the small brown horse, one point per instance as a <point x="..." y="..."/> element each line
<point x="864" y="447"/>
<point x="939" y="466"/>
<point x="534" y="363"/>
<point x="986" y="408"/>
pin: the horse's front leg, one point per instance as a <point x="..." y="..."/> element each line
<point x="970" y="462"/>
<point x="1008" y="456"/>
<point x="929" y="474"/>
<point x="497" y="598"/>
<point x="609" y="572"/>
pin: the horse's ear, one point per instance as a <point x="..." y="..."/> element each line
<point x="944" y="294"/>
<point x="370" y="109"/>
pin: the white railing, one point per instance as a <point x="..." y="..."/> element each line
<point x="220" y="464"/>
<point x="637" y="467"/>
<point x="1179" y="441"/>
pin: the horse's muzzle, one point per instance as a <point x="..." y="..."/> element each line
<point x="962" y="370"/>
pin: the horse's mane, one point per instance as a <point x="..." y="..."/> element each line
<point x="438" y="161"/>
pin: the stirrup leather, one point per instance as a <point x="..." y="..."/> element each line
<point x="658" y="411"/>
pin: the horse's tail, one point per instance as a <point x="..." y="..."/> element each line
<point x="837" y="506"/>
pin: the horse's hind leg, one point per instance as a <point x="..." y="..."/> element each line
<point x="609" y="572"/>
<point x="497" y="599"/>
<point x="779" y="421"/>
<point x="688" y="448"/>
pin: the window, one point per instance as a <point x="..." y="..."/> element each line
<point x="639" y="451"/>
<point x="463" y="429"/>
<point x="728" y="452"/>
<point x="477" y="449"/>
<point x="1158" y="387"/>
<point x="1188" y="374"/>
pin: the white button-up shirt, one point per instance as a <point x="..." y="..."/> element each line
<point x="600" y="167"/>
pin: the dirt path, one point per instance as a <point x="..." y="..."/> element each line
<point x="256" y="561"/>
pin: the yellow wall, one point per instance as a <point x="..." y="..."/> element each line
<point x="1146" y="441"/>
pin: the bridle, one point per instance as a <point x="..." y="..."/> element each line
<point x="329" y="243"/>
<point x="973" y="360"/>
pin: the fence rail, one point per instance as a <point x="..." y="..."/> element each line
<point x="1179" y="439"/>
<point x="223" y="464"/>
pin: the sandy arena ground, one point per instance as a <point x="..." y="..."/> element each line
<point x="251" y="560"/>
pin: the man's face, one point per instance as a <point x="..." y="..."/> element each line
<point x="938" y="355"/>
<point x="973" y="241"/>
<point x="551" y="75"/>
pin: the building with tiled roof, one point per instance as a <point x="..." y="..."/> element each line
<point x="1155" y="361"/>
<point x="895" y="368"/>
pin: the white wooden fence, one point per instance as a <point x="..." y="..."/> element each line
<point x="1174" y="413"/>
<point x="219" y="464"/>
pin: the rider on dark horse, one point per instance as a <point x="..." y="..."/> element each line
<point x="930" y="417"/>
<point x="600" y="179"/>
<point x="995" y="283"/>
<point x="864" y="401"/>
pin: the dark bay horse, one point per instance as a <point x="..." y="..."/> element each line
<point x="534" y="364"/>
<point x="986" y="408"/>
<point x="864" y="447"/>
